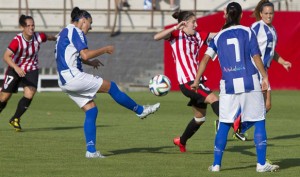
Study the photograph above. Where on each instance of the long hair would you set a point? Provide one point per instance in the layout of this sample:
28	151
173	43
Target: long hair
182	15
233	14
22	20
259	8
76	14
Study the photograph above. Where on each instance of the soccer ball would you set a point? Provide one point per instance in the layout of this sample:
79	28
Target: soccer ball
160	85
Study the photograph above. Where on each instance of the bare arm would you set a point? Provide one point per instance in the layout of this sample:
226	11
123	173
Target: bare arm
202	67
7	57
287	65
261	69
95	63
51	37
87	54
166	34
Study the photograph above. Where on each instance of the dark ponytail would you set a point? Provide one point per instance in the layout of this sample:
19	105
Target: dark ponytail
233	14
182	15
76	14
22	20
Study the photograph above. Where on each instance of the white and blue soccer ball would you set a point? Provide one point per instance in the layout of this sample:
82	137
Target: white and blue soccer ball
160	85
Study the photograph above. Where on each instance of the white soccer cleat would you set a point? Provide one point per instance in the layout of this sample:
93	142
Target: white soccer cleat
148	109
96	154
267	167
215	168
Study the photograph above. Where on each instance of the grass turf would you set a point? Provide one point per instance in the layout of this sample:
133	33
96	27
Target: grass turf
52	143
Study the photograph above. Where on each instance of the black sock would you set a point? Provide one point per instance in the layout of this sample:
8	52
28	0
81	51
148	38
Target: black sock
215	107
190	130
2	105
22	107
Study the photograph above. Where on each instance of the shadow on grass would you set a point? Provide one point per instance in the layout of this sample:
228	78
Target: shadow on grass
56	128
285	137
288	163
141	150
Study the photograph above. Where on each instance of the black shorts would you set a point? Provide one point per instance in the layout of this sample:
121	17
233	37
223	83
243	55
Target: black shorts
12	80
196	98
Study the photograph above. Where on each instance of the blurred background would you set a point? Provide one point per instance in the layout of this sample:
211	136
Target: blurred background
130	25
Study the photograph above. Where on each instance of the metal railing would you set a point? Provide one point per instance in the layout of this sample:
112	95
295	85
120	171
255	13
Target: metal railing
112	24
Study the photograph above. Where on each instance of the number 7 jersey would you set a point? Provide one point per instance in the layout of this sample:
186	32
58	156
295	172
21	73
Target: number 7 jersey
235	46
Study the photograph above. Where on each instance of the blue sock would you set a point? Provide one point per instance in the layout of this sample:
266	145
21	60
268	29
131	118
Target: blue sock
260	140
220	142
123	99
246	126
90	129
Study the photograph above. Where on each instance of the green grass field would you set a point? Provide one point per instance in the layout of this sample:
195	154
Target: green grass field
52	143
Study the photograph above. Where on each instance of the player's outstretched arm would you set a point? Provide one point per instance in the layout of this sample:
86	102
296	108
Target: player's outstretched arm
166	34
87	54
51	37
202	67
286	64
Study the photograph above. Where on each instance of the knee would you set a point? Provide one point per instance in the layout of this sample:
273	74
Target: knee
199	120
211	98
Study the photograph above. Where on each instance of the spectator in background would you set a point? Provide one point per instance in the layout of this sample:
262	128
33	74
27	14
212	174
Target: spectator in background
148	5
122	3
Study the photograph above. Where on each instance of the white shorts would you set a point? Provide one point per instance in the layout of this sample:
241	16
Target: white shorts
251	103
82	88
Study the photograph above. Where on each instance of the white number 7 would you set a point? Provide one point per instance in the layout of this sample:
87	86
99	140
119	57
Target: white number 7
235	42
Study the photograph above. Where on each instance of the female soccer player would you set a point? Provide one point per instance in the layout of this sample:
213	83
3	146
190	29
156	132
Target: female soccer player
267	39
22	59
186	42
240	86
71	52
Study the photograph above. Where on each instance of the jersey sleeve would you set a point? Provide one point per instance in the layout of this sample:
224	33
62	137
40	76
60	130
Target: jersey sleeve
78	41
43	37
254	48
204	36
14	45
212	49
174	35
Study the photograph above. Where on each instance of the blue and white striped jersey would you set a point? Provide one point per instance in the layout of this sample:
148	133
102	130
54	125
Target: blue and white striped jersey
267	39
235	46
69	43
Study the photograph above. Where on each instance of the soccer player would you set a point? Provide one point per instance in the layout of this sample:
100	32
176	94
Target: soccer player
22	59
71	52
186	42
267	39
240	86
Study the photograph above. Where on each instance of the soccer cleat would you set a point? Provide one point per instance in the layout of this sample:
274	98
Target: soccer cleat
214	168
266	168
15	122
148	109
240	136
216	123
96	154
176	141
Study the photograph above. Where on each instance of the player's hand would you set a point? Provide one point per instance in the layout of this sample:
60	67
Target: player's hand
110	49
20	71
96	63
181	25
265	84
195	85
287	65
